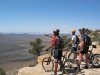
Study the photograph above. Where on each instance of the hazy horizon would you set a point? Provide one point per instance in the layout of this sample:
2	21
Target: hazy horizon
36	32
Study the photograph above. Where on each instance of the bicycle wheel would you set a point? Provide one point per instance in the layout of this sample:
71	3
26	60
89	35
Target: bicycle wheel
71	67
47	64
72	56
96	60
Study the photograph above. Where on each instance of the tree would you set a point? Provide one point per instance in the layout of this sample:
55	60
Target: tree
36	47
95	35
88	31
65	40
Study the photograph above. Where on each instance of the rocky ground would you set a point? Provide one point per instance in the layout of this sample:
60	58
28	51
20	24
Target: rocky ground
38	70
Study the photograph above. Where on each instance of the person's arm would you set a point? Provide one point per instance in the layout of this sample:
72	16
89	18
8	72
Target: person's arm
82	43
70	43
49	36
53	43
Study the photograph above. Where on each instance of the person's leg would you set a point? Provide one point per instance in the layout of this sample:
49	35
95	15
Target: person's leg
86	57
86	61
60	60
56	56
80	59
56	67
61	64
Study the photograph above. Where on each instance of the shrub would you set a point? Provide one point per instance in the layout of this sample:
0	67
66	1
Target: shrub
2	72
36	46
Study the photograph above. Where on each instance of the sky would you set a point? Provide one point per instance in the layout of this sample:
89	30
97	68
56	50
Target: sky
43	16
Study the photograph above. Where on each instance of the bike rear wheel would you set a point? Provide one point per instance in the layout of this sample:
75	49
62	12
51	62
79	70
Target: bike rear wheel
47	64
96	60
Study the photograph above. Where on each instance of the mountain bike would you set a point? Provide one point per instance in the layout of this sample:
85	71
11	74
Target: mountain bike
68	67
94	59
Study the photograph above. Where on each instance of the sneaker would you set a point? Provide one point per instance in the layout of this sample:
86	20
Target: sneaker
86	67
54	74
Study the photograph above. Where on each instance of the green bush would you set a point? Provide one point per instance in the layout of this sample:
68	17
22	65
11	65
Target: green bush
95	35
36	46
2	72
65	40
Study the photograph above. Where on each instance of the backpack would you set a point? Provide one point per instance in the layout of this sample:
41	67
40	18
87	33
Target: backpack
88	40
59	43
77	40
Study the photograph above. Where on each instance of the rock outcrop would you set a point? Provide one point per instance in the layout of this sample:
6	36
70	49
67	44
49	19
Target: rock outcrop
38	70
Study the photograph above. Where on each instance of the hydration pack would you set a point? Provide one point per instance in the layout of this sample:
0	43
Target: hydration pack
59	43
77	39
88	40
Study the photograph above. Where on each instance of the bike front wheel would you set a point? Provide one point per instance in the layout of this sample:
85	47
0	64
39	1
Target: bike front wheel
72	56
71	67
47	64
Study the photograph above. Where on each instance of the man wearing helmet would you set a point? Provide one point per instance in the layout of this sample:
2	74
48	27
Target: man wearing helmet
83	47
57	45
74	41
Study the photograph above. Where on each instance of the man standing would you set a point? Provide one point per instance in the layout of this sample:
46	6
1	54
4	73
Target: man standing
74	41
57	45
83	47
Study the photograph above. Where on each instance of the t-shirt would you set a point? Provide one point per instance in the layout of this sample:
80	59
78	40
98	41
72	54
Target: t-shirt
74	38
57	41
53	40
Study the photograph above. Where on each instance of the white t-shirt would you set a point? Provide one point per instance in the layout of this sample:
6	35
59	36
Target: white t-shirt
74	38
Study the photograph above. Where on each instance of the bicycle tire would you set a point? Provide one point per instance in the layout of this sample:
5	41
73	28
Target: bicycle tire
72	56
71	67
47	64
96	60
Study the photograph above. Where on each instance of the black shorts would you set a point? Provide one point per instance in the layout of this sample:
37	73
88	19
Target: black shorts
74	49
58	54
84	50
